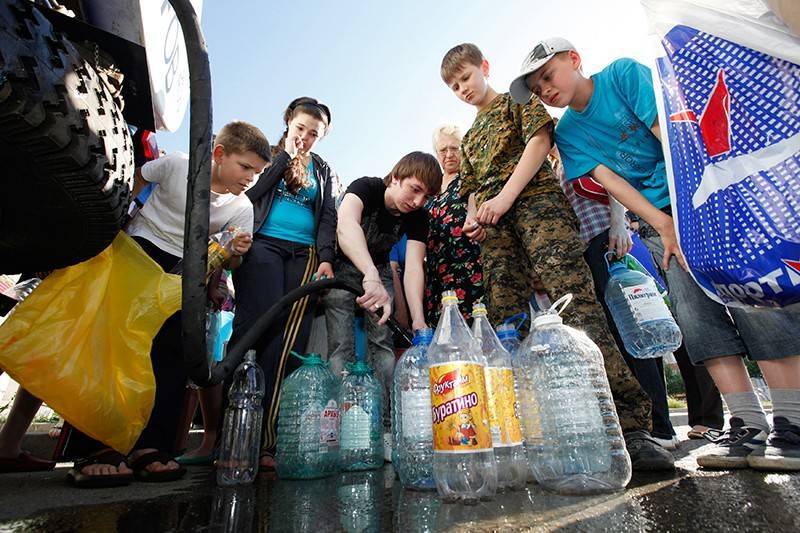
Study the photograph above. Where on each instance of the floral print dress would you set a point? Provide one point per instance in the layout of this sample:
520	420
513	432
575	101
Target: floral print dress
452	260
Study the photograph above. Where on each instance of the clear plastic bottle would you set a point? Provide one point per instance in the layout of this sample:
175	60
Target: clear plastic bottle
463	459
509	452
308	422
412	455
219	248
361	404
640	313
241	430
572	433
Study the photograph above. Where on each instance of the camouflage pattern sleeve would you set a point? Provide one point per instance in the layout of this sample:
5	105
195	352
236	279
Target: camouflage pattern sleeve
531	117
469	181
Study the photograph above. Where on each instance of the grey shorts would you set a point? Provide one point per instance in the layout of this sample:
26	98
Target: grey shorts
711	330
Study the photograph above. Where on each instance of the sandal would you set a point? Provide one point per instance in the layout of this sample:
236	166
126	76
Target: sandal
55	431
25	462
95	481
140	464
195	460
697	432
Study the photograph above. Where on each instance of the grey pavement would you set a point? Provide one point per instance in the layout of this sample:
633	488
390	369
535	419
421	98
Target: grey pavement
688	499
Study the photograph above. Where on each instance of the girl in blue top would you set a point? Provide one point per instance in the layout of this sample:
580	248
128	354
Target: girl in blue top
294	239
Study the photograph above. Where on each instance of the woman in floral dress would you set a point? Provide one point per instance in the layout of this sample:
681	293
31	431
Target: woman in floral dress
452	259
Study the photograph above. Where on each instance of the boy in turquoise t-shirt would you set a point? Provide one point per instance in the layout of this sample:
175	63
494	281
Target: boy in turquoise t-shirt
610	131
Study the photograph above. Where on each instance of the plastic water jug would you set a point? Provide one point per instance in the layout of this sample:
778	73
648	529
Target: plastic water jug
412	455
571	429
640	313
308	423
361	404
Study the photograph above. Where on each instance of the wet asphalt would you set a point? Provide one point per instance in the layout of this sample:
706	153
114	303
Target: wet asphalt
688	499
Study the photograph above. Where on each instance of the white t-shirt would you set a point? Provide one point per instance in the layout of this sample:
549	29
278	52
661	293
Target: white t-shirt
161	220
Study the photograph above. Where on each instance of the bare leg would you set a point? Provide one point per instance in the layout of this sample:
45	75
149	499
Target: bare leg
729	374
187	415
211	407
782	373
19	419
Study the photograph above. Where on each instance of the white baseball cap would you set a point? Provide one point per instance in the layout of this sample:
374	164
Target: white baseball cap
536	59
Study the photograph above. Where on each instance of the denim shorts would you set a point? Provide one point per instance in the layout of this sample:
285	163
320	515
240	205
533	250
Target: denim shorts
711	330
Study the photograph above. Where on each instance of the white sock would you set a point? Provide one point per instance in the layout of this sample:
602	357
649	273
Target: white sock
786	403
746	406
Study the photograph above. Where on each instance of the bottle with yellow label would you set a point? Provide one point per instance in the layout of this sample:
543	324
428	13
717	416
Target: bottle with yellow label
463	458
512	463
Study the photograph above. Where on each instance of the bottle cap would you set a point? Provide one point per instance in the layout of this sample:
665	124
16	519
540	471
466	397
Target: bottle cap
617	268
359	368
479	309
507	331
423	336
250	355
449	297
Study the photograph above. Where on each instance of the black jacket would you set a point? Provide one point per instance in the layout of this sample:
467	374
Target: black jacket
263	192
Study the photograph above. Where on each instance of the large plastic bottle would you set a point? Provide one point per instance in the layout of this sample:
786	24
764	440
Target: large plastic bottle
512	464
463	459
241	430
640	313
308	423
412	455
361	405
572	433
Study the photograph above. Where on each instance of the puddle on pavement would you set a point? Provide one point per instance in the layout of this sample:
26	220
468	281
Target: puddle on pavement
374	501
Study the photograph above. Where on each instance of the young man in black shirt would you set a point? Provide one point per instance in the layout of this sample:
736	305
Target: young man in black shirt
373	214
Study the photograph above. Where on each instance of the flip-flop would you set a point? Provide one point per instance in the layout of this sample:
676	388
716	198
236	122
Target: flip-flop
25	462
140	464
197	460
55	431
697	432
96	481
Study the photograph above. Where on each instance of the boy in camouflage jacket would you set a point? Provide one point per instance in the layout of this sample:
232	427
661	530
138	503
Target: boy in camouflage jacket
531	231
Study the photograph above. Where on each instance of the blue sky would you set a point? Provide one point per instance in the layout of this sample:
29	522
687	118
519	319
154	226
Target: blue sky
376	64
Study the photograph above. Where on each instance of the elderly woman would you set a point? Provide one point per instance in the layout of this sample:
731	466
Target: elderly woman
453	260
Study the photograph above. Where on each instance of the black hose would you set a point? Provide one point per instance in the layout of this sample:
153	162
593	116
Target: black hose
235	354
195	241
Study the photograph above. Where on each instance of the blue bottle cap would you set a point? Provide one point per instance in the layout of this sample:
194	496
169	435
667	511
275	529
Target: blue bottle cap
617	268
507	331
423	336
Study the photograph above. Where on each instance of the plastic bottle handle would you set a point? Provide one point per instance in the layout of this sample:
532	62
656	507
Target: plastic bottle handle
614	254
564	301
305	358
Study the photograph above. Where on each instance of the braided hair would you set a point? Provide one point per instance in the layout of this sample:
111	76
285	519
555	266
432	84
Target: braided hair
296	175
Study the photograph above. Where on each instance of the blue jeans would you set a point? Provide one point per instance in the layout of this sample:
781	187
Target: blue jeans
340	308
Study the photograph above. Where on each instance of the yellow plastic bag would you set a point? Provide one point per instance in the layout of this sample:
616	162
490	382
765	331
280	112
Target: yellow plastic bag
81	341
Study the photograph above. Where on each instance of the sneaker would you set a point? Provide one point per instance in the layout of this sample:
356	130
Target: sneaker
668	444
783	448
732	447
387	447
646	453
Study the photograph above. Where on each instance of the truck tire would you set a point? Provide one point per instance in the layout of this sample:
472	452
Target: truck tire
66	163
